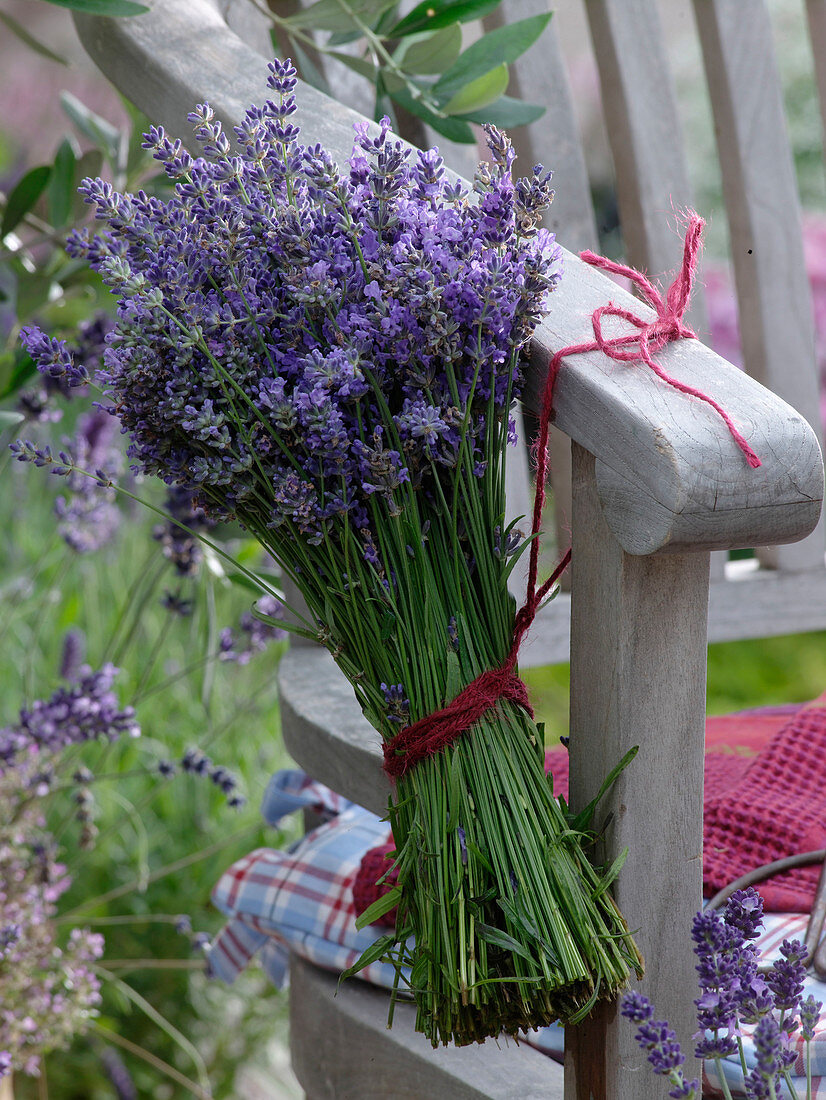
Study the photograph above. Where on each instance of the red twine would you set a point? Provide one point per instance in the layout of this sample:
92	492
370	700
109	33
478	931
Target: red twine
437	730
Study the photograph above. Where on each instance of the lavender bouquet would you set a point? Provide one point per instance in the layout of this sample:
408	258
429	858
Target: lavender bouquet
331	361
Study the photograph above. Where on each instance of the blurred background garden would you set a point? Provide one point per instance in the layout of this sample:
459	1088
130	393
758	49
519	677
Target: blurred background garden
125	835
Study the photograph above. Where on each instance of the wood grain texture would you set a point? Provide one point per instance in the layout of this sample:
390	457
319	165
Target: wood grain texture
640	108
539	76
763	213
686	477
638	640
816	16
342	1050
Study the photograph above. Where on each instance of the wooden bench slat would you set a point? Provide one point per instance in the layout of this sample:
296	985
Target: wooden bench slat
816	16
639	102
763	212
539	76
336	1035
628	688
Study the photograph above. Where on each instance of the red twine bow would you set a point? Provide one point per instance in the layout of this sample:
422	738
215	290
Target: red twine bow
437	730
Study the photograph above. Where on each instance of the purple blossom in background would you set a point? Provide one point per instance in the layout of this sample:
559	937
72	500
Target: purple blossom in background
48	990
178	536
89	516
35	406
84	710
90	341
770	1051
196	762
85	356
733	992
52	357
71	658
724	329
787	974
118	1074
658	1039
744	911
255	634
716	946
810	1010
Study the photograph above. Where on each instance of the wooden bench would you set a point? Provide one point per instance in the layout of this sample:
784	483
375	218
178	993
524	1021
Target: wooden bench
656	486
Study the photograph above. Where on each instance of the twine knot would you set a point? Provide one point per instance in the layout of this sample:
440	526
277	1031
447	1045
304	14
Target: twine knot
440	728
649	337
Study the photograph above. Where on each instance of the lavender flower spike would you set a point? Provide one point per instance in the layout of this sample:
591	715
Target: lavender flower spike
770	1050
52	357
656	1037
786	977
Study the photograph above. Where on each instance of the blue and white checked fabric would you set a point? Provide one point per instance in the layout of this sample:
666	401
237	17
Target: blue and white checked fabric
302	900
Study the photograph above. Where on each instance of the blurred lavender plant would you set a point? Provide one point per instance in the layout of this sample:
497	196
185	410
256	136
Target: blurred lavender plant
178	536
49	992
255	633
89	515
735	992
50	989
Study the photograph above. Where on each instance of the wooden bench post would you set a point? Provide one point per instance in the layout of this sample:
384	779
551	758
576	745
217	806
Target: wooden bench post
638	658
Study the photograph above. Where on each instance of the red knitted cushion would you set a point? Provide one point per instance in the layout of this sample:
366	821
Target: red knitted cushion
765	797
374	864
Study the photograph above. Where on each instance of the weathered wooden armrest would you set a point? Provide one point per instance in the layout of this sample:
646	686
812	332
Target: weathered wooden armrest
670	475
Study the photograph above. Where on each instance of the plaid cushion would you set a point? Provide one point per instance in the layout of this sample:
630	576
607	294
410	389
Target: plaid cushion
302	900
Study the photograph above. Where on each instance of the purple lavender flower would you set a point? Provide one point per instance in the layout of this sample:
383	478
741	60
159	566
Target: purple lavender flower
255	634
50	991
196	762
271	275
460	832
786	977
178	536
118	1074
660	1041
810	1010
89	516
398	705
176	604
52	357
717	947
71	658
770	1050
9	935
85	710
34	405
744	911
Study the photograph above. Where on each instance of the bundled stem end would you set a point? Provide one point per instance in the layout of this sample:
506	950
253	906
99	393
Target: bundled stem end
515	929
